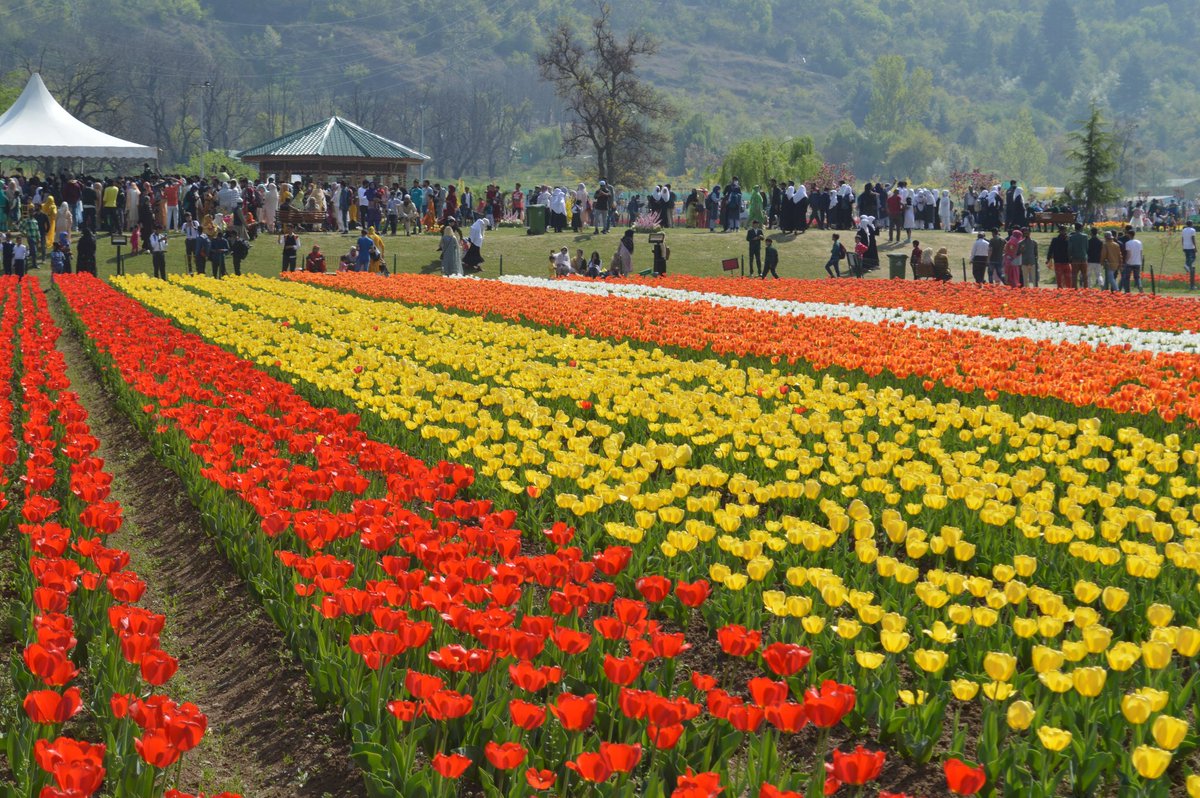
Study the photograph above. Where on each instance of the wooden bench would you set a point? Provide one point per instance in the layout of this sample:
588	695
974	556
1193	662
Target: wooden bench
294	217
1044	219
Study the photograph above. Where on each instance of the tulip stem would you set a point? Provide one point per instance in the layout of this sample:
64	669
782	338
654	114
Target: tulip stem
816	780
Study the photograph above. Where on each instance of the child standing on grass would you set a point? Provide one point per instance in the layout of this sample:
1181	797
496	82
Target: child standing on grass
772	260
836	253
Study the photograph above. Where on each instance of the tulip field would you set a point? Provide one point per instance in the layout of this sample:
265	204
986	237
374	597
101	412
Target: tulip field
692	537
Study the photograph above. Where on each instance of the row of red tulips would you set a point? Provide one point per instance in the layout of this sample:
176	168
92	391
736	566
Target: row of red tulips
414	606
1105	376
78	610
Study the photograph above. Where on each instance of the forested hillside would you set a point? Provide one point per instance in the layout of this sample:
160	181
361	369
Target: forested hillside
890	86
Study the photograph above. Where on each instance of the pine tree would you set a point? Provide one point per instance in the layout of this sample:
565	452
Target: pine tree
1094	156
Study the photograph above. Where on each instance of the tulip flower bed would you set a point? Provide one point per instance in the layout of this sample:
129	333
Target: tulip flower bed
91	660
1105	376
454	653
1108	309
1041	331
932	554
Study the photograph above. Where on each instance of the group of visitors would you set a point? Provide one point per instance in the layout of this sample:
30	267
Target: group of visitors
1078	259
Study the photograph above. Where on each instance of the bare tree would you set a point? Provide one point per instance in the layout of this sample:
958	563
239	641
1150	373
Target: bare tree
614	113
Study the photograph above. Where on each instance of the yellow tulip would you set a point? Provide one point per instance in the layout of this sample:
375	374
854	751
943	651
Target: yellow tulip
1025	627
999	666
1169	731
1156	654
813	624
1046	659
1136	708
1193	786
1025	565
1053	739
1157	698
1086	592
998	691
1150	762
930	660
1089	681
1074	650
964	689
1056	681
1123	655
1159	614
893	642
1187	641
940	633
1114	598
1020	715
868	659
910	698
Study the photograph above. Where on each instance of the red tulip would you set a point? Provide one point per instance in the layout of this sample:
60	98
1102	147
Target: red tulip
158	666
570	641
560	534
789	716
52	666
156	748
525	715
858	767
420	685
771	791
76	767
698	785
745	718
786	659
629	612
621	670
653	588
703	682
693	594
49	707
621	757
827	706
764	691
447	705
574	712
539	779
664	737
668	646
738	641
611	561
404	711
504	756
591	767
963	779
450	766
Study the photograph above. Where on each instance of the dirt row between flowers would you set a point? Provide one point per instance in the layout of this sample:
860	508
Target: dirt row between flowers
267	736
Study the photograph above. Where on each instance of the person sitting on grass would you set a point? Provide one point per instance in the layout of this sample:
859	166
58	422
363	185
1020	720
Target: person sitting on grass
315	262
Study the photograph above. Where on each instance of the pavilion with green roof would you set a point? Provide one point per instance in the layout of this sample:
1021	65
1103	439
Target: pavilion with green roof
334	148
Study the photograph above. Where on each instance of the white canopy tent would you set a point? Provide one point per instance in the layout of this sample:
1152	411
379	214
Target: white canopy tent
36	126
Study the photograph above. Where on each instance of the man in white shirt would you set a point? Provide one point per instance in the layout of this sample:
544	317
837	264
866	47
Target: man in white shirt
979	258
158	253
191	233
1189	249
20	254
1133	263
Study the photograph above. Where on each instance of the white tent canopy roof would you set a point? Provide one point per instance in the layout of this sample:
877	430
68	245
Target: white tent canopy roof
36	126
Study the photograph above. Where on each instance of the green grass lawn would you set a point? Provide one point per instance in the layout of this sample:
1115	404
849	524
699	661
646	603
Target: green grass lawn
695	252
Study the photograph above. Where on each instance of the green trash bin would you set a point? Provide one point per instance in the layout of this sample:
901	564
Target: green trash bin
535	217
897	264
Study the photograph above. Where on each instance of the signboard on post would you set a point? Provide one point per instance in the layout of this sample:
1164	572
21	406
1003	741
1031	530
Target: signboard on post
119	240
731	265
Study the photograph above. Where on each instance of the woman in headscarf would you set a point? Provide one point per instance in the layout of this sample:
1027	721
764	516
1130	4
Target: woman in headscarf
132	195
146	212
946	211
625	252
451	249
941	265
1013	250
66	220
377	252
87	252
756	206
712	207
866	234
474	257
51	210
1018	207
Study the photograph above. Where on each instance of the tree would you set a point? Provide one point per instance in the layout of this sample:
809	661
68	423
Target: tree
614	113
756	161
1094	156
898	99
1022	155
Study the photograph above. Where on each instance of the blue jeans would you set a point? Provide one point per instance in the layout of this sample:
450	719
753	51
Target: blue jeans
1128	272
1189	259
